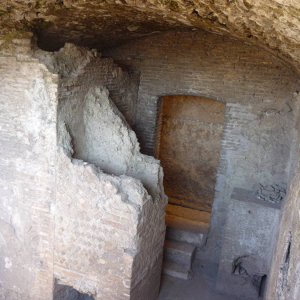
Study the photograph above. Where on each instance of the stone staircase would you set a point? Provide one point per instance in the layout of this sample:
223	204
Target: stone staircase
186	231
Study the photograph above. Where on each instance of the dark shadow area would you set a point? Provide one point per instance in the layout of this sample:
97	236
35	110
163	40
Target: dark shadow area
64	292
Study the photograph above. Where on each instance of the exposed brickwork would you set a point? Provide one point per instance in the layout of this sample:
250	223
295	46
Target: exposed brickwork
260	113
122	85
104	241
201	64
63	218
27	180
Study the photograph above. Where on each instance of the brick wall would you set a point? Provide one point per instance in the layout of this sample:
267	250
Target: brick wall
63	218
201	64
27	180
109	231
258	91
122	85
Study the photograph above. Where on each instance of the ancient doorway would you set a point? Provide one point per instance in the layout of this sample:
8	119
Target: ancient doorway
189	135
188	144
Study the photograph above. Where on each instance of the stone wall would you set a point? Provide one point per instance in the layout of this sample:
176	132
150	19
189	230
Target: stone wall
27	181
105	244
258	90
113	221
64	218
284	283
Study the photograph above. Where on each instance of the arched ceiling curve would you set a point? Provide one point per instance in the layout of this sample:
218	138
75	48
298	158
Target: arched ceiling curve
271	24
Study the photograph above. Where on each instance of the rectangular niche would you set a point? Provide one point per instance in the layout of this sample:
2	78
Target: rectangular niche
188	144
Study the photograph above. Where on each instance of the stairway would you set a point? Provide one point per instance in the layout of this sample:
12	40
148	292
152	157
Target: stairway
186	231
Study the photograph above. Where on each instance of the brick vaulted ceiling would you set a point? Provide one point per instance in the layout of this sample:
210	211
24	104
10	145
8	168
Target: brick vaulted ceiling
272	24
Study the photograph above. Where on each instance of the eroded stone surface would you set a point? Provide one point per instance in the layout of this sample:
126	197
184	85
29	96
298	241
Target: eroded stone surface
103	232
284	280
27	179
64	218
99	133
274	24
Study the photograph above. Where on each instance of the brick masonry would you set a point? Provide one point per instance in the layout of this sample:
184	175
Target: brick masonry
258	90
27	181
63	218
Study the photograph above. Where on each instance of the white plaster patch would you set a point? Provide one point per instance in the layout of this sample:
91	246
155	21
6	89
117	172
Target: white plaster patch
8	263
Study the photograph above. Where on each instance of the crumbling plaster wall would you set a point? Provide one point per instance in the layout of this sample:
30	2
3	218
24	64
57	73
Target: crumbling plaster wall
260	114
104	140
105	244
27	179
117	226
64	218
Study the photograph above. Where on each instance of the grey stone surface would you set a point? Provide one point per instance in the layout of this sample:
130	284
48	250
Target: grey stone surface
176	270
201	286
249	237
179	253
193	238
104	140
284	279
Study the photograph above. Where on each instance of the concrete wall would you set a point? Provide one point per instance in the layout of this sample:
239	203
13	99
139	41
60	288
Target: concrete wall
258	90
64	218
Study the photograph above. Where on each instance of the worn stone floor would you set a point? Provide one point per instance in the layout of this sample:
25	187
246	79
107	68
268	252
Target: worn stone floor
200	287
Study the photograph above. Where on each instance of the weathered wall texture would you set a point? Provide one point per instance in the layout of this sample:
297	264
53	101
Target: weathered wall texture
284	281
249	238
191	130
104	140
71	61
61	217
274	24
27	178
258	90
103	233
110	222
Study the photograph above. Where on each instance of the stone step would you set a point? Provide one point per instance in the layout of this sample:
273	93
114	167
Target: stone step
179	253
186	224
187	219
194	238
177	271
188	213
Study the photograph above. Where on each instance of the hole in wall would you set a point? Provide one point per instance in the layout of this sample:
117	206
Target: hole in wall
65	292
262	286
288	252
